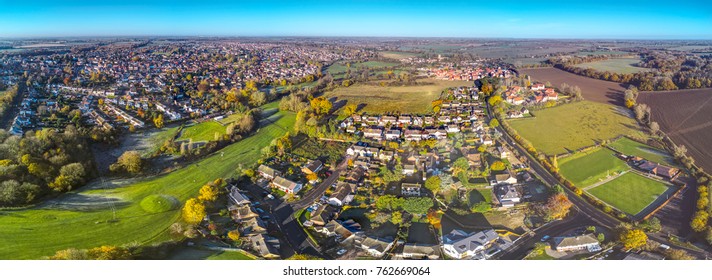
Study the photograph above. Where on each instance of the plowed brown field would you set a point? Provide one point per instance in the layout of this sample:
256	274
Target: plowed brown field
686	116
592	89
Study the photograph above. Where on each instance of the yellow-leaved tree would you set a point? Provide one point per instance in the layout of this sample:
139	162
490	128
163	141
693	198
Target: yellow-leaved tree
193	211
209	192
234	235
633	238
109	253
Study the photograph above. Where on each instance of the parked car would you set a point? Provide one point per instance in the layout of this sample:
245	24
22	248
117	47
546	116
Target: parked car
270	196
545	238
265	217
259	210
341	252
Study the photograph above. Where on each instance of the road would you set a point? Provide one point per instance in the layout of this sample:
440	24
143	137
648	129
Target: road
586	210
317	192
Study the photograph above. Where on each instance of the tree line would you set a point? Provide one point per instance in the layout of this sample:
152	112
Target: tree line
42	162
668	72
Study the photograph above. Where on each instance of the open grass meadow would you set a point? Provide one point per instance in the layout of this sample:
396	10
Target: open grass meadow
405	99
586	168
615	65
339	68
631	147
398	55
145	207
575	125
630	193
204	131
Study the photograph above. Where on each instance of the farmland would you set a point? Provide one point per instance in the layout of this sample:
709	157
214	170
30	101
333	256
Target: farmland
584	53
615	65
405	99
630	193
684	116
573	126
592	89
631	147
84	218
586	168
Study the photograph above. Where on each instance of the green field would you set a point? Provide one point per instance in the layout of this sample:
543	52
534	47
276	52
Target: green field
615	65
631	147
157	140
404	99
574	126
204	131
83	218
398	55
585	169
630	193
338	69
526	60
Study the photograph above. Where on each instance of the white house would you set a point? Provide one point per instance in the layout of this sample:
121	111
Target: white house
376	247
410	189
586	242
459	244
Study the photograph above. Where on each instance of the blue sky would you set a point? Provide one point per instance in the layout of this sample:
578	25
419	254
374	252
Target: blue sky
494	18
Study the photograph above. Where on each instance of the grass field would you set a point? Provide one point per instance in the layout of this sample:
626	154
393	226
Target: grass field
404	99
584	169
630	193
204	131
69	222
630	147
157	140
338	69
615	65
398	55
575	125
526	60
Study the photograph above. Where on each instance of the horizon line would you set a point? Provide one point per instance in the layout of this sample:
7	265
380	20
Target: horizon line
343	36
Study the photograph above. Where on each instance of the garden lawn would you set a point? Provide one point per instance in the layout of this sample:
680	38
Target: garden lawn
631	147
574	126
630	193
204	131
586	168
405	99
479	195
59	223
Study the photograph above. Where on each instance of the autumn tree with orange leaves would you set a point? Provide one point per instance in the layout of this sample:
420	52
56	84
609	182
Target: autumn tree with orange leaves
557	207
